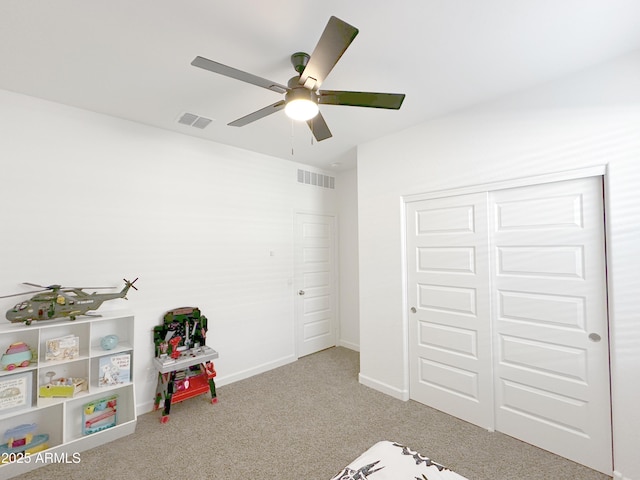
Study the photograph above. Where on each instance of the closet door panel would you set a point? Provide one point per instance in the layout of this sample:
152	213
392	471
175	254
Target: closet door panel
450	341
550	328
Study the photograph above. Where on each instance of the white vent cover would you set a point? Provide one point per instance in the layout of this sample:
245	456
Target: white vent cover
318	179
194	120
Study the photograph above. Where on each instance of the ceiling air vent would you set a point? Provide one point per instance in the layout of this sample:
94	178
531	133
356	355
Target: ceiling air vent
194	120
318	179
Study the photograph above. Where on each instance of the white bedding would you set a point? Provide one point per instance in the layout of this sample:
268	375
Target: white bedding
392	461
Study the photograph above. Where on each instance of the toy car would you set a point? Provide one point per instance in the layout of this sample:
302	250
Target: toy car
17	355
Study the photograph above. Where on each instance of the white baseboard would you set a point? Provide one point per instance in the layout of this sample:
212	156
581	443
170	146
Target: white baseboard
250	372
619	476
146	407
349	345
222	380
384	388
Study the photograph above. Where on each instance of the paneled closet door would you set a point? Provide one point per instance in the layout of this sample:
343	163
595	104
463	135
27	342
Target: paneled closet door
508	322
551	331
448	294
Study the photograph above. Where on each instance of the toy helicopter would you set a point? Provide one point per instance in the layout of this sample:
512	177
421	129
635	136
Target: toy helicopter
56	301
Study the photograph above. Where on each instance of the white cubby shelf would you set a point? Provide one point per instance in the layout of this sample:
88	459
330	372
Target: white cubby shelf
61	417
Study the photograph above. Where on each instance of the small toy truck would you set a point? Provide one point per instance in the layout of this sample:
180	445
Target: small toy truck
17	355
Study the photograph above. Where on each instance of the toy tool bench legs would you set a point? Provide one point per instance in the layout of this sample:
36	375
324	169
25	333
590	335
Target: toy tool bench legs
178	385
183	360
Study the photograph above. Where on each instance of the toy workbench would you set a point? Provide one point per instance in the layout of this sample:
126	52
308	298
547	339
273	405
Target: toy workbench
183	361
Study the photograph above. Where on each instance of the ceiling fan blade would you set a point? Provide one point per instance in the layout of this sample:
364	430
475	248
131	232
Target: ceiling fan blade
221	69
319	127
361	99
335	39
263	112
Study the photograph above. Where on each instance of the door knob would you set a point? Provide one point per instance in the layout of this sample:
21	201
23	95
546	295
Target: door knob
594	337
413	310
300	292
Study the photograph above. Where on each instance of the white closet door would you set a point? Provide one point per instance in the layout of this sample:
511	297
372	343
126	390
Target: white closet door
551	330
450	341
508	321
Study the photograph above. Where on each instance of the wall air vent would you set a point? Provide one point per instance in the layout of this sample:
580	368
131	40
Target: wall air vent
317	179
194	120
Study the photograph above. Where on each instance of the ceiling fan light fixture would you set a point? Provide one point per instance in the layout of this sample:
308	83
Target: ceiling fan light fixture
301	103
301	109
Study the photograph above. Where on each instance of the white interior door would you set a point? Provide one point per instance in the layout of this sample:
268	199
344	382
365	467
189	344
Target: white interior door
448	294
315	283
515	278
551	329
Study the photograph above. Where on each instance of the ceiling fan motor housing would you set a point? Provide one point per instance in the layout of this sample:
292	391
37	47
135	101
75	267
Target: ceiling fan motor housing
299	61
299	92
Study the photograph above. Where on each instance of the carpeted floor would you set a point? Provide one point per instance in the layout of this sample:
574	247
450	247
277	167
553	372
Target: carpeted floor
306	420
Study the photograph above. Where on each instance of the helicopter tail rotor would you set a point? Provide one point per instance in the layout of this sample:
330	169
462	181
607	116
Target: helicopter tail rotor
127	286
131	284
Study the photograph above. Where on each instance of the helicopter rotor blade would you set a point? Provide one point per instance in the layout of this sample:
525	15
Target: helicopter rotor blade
88	288
61	287
24	293
36	285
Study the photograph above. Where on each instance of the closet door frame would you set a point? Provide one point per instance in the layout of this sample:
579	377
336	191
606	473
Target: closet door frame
474	189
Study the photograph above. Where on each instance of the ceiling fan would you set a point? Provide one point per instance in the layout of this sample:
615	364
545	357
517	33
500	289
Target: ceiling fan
302	94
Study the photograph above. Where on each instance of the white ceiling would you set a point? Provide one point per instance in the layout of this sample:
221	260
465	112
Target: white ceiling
131	59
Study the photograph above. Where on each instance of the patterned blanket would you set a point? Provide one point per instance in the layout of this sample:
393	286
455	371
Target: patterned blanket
392	461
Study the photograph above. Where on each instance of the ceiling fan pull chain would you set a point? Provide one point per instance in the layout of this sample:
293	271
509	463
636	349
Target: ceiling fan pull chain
292	138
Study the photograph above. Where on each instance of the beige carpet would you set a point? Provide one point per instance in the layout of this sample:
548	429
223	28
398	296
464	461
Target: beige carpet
306	420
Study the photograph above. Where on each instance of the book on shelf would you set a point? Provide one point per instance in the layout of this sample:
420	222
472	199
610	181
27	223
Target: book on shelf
114	369
63	348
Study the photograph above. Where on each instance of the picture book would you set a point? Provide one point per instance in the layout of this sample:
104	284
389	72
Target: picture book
114	370
63	348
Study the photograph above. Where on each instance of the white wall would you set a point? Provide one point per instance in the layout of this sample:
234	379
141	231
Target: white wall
347	189
88	199
589	119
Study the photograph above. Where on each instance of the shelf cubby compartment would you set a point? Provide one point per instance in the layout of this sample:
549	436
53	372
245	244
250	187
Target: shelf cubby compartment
101	380
49	335
64	369
48	420
121	328
125	412
13	336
